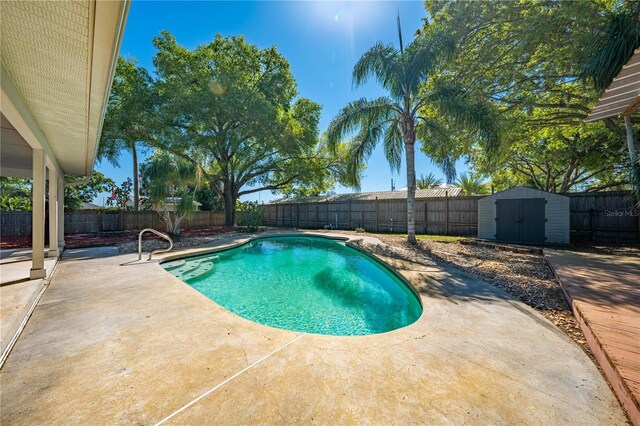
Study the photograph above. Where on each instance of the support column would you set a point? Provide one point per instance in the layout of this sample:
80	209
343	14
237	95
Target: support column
60	237
53	213
37	216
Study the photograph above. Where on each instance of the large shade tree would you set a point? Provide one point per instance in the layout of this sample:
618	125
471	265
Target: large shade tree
129	121
397	119
232	109
529	59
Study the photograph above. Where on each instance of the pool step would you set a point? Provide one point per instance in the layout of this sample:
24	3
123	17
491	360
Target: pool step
203	270
192	269
172	266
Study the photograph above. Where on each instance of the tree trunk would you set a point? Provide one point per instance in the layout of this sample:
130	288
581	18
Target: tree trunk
409	144
631	140
229	206
136	180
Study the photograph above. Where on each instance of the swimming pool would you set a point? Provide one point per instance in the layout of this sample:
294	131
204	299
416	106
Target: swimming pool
307	284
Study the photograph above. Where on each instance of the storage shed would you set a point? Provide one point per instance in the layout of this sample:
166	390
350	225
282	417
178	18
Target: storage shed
524	215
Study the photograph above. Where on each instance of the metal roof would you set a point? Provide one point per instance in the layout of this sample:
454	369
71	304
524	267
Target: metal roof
622	97
371	196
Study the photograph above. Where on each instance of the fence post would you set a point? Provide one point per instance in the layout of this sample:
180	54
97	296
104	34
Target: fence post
377	228
446	212
349	215
276	215
426	224
99	221
297	216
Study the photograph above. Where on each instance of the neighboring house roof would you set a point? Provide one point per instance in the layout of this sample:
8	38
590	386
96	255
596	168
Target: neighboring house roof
90	206
622	97
370	196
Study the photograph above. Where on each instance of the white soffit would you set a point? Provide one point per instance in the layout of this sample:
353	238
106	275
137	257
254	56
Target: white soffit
622	97
61	55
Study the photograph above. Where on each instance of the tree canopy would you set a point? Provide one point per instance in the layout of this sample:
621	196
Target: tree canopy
129	120
529	59
232	109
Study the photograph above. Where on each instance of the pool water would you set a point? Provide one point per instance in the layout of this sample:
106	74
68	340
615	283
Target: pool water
307	284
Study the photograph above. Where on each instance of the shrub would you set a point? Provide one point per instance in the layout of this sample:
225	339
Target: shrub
250	215
360	230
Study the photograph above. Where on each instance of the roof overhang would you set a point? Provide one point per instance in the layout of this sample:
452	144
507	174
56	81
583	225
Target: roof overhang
58	62
622	97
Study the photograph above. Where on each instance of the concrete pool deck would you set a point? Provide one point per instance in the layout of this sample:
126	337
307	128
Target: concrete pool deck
111	344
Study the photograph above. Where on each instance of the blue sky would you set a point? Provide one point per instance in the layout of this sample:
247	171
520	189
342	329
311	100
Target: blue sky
321	40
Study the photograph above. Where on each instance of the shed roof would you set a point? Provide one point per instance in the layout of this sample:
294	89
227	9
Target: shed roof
371	196
622	97
527	190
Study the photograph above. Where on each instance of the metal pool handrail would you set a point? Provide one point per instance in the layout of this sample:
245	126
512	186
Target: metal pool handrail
160	234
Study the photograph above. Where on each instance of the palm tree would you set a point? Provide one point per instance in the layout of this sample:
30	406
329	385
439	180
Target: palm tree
396	118
171	184
472	185
428	182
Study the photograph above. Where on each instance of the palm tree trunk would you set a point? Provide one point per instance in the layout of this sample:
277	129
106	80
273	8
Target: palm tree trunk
136	180
409	144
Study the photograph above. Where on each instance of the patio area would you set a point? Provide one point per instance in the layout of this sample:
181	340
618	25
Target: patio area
112	344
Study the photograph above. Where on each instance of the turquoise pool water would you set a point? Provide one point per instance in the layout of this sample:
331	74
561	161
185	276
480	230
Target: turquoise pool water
308	284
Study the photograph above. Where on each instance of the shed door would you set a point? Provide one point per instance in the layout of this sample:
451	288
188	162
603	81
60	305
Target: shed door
520	220
533	218
508	220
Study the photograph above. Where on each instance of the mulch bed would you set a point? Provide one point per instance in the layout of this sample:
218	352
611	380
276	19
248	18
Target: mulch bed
94	240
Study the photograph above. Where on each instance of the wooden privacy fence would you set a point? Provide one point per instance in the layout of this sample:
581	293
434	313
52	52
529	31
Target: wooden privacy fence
607	217
446	215
92	221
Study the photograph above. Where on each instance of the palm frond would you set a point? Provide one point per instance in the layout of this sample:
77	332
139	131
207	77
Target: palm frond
356	115
437	143
394	145
473	114
425	53
428	181
379	62
360	149
447	163
612	46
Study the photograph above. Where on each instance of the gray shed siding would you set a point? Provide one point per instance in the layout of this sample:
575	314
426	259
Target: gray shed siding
556	213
